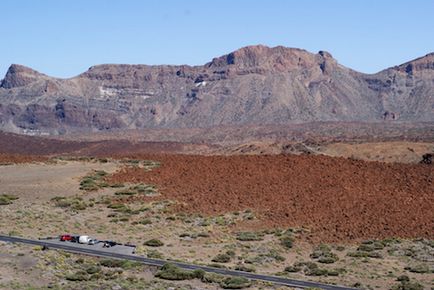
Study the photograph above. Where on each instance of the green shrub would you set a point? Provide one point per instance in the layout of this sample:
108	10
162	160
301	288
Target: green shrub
100	173
287	241
154	254
420	268
221	258
125	192
212	278
293	269
231	253
403	278
75	203
79	205
144	189
312	269
6	199
275	255
117	206
93	181
111	263
92	269
324	255
327	260
125	264
78	276
172	272
235	283
408	285
153	243
249	236
145	221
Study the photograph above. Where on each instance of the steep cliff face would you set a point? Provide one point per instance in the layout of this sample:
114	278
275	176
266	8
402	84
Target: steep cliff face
253	85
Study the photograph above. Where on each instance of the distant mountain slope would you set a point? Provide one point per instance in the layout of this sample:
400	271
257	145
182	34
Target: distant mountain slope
255	85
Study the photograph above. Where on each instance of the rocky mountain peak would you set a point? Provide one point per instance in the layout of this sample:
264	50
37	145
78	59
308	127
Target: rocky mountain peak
421	64
19	76
250	86
277	58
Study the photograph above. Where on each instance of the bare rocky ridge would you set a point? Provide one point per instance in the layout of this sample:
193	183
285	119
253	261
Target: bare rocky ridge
255	85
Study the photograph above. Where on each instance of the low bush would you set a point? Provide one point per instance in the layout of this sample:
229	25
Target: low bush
154	254
212	278
235	283
144	189
420	269
111	263
153	243
75	203
6	199
311	269
77	276
125	192
324	255
293	269
93	181
92	269
124	264
249	236
221	258
408	285
145	221
287	241
172	272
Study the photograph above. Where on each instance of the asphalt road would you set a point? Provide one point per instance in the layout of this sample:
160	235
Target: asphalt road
159	263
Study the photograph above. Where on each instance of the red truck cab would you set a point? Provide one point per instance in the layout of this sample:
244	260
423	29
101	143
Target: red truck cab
64	238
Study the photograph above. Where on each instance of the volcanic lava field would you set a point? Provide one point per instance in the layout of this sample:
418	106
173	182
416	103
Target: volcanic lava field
337	199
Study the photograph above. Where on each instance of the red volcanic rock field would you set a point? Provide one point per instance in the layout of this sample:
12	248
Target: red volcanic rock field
18	158
339	200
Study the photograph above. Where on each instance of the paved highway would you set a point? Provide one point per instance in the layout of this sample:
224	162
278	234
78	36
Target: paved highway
156	262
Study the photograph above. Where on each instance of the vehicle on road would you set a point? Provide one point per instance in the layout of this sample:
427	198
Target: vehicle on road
108	244
93	242
66	237
84	240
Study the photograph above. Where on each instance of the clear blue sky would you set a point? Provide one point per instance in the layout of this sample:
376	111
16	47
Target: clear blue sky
64	38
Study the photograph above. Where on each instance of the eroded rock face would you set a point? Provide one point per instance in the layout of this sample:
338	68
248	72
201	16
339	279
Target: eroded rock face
19	76
253	85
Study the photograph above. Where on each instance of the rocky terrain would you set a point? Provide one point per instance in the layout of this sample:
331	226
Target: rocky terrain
336	198
272	215
255	85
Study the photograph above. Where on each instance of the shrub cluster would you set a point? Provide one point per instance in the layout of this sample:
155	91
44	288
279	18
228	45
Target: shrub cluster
250	236
369	249
173	272
153	243
6	199
93	181
324	254
312	269
75	203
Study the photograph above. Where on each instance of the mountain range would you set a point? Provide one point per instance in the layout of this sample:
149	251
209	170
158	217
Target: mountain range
255	85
